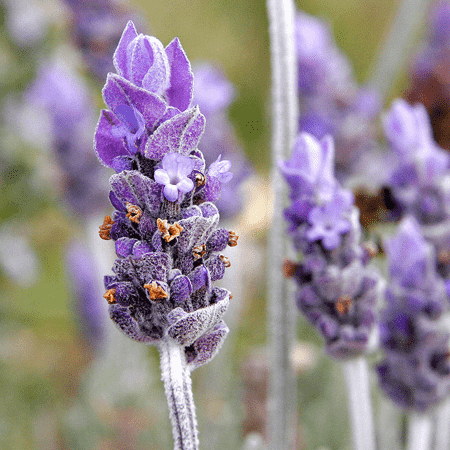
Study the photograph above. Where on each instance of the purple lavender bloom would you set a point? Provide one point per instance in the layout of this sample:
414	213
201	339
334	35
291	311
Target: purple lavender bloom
174	175
418	179
415	373
332	102
165	225
336	291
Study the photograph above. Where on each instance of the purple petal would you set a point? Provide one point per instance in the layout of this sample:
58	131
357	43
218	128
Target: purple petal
185	185
161	176
120	55
106	145
179	134
157	78
171	192
180	92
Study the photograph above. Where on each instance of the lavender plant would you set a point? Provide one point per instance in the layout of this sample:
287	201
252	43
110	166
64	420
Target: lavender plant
165	224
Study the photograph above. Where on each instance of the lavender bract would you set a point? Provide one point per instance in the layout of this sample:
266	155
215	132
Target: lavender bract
336	291
165	225
415	373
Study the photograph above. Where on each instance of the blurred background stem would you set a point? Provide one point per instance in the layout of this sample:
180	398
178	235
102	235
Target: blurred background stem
281	314
360	405
419	431
395	50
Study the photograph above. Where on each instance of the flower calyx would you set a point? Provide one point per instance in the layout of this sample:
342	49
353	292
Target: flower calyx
155	291
232	239
199	251
168	232
134	212
225	260
105	228
110	296
343	305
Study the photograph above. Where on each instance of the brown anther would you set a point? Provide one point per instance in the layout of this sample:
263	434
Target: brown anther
343	305
199	251
155	291
371	248
225	260
105	228
444	257
200	179
168	231
232	239
134	212
110	296
289	268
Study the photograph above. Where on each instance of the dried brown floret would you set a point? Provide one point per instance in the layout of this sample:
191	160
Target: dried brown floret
155	291
444	257
232	239
134	212
343	305
168	231
200	179
225	260
110	296
199	251
289	268
105	228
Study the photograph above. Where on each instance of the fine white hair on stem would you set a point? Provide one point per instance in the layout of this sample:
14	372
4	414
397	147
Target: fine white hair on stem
360	405
281	314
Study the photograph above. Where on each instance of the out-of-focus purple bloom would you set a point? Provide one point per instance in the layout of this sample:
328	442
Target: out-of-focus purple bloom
65	99
329	222
84	279
415	373
336	291
332	102
220	170
174	175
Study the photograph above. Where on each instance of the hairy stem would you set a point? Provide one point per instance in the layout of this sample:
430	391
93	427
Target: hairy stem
281	402
178	387
397	45
360	405
419	432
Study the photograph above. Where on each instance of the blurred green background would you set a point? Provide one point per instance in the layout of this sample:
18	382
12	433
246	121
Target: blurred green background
43	354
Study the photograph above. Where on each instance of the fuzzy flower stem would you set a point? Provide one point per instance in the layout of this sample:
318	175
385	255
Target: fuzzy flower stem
281	407
442	439
397	45
360	407
178	388
419	431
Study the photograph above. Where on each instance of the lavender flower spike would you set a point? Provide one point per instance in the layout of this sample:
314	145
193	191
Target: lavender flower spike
165	226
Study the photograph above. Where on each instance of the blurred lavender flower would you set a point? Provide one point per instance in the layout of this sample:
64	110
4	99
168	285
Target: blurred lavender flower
336	291
415	373
214	93
165	225
331	100
96	27
63	97
419	182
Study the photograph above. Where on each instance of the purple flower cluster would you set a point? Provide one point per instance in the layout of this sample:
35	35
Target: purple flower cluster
420	178
336	291
415	372
332	102
165	224
214	93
